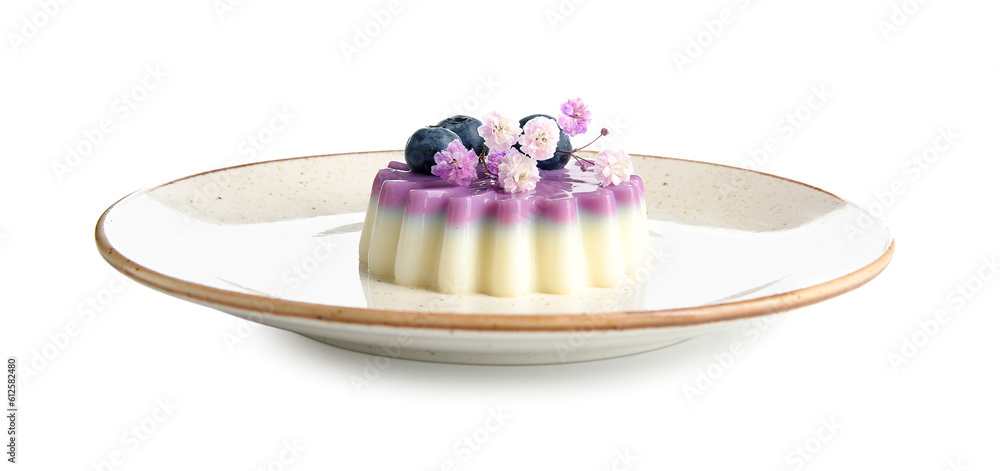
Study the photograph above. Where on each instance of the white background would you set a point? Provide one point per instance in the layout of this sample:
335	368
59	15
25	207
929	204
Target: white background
892	89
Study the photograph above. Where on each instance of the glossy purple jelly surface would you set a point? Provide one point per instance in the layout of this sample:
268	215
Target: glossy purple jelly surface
559	196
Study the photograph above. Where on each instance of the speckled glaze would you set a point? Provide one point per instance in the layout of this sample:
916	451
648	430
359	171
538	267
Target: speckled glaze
276	243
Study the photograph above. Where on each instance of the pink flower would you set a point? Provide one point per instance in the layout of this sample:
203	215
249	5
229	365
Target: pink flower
612	167
575	117
456	164
540	138
518	172
494	157
500	132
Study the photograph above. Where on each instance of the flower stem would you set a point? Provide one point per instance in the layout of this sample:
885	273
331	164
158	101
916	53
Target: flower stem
604	132
482	160
572	153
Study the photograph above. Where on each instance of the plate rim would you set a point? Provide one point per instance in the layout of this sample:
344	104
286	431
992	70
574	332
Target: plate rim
615	320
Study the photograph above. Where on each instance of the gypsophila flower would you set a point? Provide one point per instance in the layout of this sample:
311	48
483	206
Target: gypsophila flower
456	164
494	157
575	117
518	172
540	138
500	132
611	167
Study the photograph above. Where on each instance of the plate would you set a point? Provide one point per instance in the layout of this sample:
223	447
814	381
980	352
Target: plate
277	243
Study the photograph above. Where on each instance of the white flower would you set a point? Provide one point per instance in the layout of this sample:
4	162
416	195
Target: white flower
500	132
612	167
540	138
518	172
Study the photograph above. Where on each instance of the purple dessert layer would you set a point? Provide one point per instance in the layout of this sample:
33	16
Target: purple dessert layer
558	196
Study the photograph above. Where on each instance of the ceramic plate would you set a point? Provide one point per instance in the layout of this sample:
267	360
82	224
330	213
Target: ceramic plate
277	243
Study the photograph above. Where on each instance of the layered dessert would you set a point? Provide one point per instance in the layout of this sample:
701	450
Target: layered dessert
504	214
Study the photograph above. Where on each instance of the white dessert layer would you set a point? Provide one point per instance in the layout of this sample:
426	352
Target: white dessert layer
366	230
505	260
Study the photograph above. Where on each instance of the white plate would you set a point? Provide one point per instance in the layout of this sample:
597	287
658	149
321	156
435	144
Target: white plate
277	243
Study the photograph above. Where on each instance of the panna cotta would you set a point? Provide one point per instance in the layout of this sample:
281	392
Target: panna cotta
566	234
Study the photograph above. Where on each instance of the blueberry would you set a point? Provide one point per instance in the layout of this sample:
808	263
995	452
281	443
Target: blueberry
560	159
422	146
467	129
